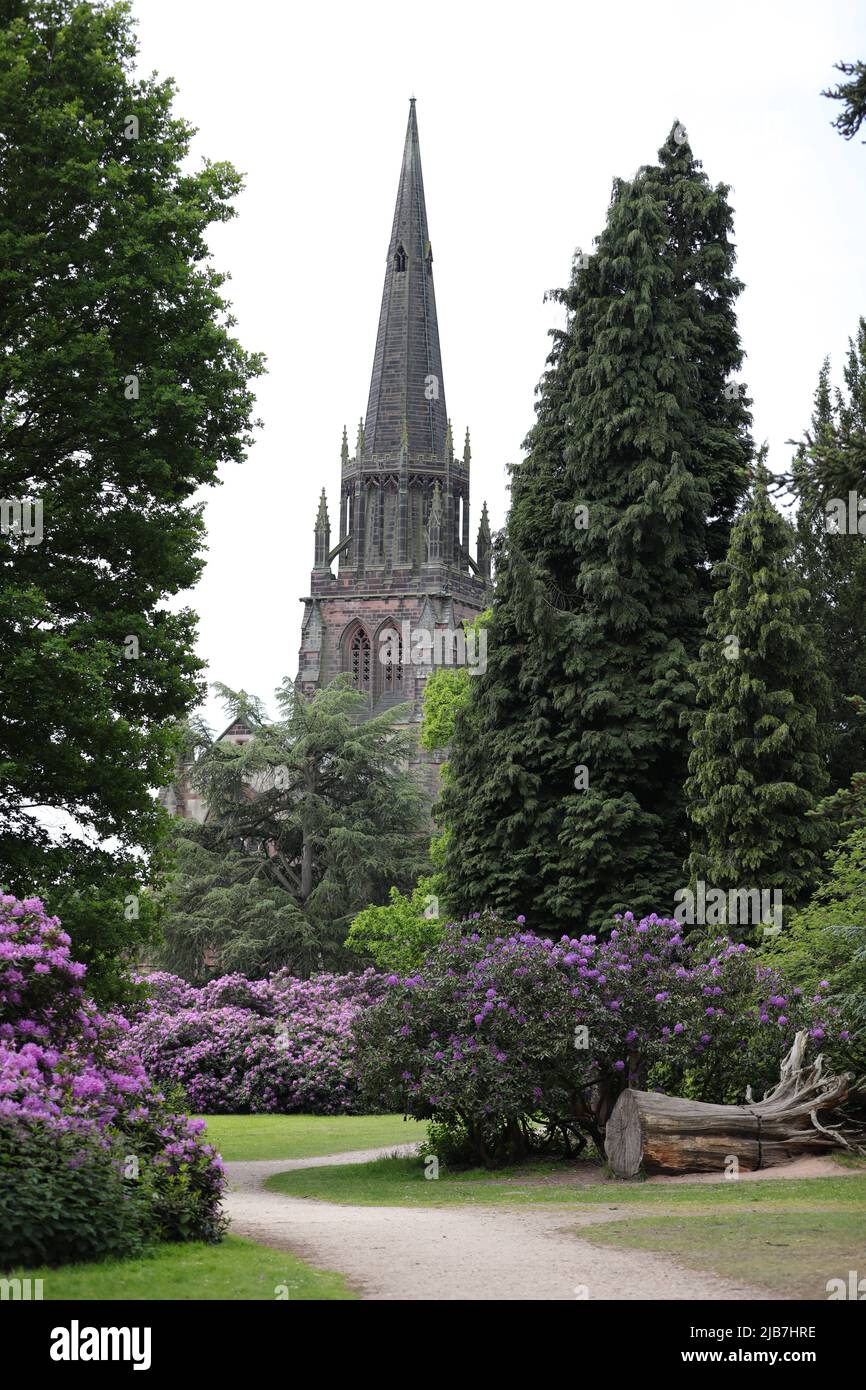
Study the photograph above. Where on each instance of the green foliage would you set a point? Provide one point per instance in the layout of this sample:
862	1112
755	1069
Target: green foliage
636	466
223	918
853	97
845	809
755	767
110	930
830	464
446	694
122	393
826	939
398	937
311	820
62	1198
832	458
449	1142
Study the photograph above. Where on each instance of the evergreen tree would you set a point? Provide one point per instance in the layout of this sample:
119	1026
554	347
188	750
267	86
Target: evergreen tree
565	798
853	97
827	469
844	809
310	821
501	798
755	767
224	914
122	392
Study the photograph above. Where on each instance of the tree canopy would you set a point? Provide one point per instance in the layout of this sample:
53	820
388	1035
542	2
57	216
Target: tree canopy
123	391
565	795
317	816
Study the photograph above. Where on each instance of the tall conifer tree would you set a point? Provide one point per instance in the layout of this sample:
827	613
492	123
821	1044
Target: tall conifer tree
567	770
827	477
756	769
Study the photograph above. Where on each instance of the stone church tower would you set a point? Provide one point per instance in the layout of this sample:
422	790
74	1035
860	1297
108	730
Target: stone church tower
405	579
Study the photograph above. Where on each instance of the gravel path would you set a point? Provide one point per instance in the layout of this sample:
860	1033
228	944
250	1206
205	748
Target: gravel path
465	1253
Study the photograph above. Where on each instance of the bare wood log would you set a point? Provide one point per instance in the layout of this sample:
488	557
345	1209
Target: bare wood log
667	1134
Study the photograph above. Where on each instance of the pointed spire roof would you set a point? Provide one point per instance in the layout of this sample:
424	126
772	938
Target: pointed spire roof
407	365
322	522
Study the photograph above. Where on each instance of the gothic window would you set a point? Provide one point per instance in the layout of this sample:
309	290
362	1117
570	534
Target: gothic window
400	258
360	664
392	668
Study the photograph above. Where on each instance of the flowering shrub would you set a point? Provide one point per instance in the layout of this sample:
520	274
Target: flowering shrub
502	1027
237	1045
63	1197
94	1158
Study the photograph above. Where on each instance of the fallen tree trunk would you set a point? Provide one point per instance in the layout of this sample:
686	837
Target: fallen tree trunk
666	1134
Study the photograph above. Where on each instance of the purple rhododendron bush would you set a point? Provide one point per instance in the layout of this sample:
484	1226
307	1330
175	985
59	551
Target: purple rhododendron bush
236	1046
94	1158
507	1040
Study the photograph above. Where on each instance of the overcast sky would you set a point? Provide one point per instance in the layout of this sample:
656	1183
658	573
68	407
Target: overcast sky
526	114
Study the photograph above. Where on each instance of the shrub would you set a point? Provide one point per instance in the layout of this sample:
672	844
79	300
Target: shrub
824	947
63	1198
502	1029
278	1045
85	1136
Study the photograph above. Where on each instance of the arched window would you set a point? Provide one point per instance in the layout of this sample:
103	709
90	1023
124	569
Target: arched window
392	664
400	258
359	660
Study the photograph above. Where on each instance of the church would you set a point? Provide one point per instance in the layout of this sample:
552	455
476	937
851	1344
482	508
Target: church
404	567
402	550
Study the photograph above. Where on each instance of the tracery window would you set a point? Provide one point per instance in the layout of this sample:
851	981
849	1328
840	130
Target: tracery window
392	669
359	652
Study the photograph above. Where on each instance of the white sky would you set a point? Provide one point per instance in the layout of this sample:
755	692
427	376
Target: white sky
525	116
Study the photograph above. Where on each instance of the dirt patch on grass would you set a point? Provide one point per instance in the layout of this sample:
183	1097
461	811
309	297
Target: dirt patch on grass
592	1173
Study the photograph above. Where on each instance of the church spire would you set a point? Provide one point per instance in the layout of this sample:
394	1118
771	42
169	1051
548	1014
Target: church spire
407	365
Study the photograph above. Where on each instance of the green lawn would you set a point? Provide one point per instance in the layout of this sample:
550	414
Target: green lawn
234	1270
401	1182
793	1252
307	1136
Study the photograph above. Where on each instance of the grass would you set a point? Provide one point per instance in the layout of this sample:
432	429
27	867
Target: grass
306	1136
792	1252
401	1182
235	1270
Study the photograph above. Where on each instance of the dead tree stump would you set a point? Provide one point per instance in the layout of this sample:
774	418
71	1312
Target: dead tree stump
666	1134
